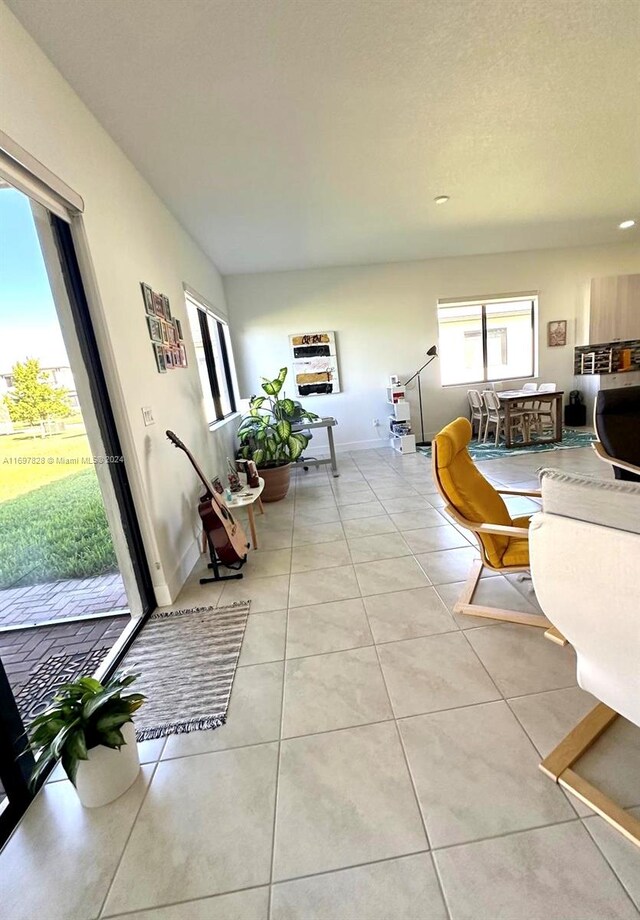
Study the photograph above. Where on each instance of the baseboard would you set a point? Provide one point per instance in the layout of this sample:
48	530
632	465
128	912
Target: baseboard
369	444
167	593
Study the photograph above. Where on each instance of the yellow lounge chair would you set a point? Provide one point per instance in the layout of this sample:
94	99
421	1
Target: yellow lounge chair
474	504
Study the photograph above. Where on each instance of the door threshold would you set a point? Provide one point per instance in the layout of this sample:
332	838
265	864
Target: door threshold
65	621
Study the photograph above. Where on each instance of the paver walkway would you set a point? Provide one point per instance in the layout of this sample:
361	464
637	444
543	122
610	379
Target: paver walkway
38	660
60	600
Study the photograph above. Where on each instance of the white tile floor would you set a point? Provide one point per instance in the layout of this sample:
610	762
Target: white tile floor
381	755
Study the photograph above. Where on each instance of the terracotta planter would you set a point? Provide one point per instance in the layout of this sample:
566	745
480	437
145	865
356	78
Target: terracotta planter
108	773
276	482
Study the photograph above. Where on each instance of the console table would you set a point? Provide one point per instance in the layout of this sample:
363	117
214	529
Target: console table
329	423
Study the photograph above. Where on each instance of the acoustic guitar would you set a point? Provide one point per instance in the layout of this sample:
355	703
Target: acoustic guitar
225	536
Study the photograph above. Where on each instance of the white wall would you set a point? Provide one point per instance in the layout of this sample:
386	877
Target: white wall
385	320
131	237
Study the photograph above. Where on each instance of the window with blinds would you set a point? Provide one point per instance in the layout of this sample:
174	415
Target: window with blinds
212	344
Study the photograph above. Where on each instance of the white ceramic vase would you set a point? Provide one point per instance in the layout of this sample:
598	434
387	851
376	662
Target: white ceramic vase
108	773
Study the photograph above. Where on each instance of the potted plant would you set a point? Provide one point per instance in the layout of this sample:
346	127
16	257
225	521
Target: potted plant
267	437
89	727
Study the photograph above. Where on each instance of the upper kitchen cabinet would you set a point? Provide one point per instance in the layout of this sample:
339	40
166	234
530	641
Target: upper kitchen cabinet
615	309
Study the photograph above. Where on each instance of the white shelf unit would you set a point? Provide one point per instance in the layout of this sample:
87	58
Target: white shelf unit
400	412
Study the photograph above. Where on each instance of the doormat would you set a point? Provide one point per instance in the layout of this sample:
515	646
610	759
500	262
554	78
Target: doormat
479	451
186	660
37	693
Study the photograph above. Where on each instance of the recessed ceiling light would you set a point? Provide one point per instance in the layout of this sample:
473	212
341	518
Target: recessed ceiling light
625	225
441	199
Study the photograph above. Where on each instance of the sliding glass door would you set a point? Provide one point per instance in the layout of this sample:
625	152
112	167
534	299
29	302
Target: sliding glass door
72	566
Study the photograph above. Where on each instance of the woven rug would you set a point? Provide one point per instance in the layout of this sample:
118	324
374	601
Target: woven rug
186	660
570	440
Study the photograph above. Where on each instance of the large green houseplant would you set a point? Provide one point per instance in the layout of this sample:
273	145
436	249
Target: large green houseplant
89	727
267	436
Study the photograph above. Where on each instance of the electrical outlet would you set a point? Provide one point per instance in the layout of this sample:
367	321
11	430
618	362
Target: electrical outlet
147	415
376	422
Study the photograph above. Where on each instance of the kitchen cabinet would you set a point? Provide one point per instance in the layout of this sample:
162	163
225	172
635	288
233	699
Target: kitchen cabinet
614	309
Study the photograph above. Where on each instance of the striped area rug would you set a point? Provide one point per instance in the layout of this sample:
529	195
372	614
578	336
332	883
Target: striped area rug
488	451
186	660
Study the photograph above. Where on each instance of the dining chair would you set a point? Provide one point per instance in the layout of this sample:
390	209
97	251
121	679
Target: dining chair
542	415
478	411
475	505
496	417
529	405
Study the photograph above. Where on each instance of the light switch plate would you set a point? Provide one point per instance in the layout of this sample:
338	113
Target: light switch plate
147	415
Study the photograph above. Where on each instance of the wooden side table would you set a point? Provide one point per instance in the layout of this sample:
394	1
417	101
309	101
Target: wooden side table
245	499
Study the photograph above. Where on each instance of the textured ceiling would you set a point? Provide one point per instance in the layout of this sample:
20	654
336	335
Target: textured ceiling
295	133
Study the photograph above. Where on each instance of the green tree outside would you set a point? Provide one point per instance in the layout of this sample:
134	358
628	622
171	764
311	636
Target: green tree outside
34	398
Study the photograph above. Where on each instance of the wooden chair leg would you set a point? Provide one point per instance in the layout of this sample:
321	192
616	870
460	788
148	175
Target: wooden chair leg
554	635
558	765
465	604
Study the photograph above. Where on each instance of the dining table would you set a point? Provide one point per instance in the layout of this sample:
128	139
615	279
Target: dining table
511	400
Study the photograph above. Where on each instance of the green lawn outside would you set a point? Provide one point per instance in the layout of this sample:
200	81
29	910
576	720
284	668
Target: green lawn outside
28	462
57	531
52	519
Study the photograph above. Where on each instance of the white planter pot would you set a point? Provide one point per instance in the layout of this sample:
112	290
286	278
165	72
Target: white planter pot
108	773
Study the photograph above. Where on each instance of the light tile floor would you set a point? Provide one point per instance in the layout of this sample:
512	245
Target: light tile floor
381	755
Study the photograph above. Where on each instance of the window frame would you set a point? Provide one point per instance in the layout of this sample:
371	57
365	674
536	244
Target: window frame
483	303
207	317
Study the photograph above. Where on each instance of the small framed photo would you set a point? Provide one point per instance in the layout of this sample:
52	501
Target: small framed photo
183	356
158	306
171	333
164	330
161	364
147	294
557	333
175	357
166	307
168	358
155	329
178	325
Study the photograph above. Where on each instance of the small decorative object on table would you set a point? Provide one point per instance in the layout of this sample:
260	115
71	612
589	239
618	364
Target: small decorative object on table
89	726
234	483
253	480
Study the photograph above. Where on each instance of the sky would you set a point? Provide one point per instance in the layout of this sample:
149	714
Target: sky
28	321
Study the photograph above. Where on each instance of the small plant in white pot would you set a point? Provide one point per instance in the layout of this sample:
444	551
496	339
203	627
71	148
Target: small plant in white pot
89	727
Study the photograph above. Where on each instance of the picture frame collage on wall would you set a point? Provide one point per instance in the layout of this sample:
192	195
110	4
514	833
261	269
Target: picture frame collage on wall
165	331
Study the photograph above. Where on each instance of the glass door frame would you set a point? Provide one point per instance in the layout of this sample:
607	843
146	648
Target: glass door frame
16	760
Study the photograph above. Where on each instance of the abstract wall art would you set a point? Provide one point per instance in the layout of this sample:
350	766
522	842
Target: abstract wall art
315	363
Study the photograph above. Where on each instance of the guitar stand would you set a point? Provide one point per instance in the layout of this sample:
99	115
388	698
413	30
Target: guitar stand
215	565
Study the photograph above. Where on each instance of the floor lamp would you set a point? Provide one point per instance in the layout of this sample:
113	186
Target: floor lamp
432	354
